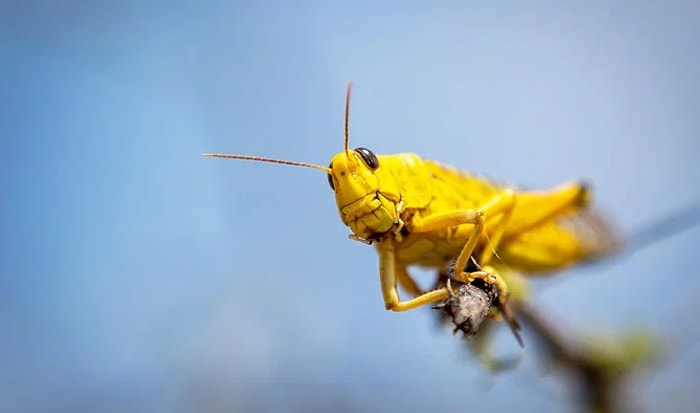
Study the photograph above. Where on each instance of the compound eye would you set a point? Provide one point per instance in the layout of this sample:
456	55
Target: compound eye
330	178
368	157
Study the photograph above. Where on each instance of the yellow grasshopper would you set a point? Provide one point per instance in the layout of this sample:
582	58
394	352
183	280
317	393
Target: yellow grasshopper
421	212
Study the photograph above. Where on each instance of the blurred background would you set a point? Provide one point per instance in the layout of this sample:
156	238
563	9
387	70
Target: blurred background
136	276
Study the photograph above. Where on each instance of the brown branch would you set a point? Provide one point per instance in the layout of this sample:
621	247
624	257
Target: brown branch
599	388
598	375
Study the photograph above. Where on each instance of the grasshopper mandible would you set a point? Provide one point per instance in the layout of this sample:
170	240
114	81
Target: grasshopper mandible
421	212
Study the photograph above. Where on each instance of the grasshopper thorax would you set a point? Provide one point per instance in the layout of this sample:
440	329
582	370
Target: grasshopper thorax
366	193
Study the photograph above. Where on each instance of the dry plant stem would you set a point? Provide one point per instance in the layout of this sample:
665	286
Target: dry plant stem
599	390
599	387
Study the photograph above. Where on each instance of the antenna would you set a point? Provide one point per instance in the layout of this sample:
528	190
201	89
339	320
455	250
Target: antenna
347	115
263	159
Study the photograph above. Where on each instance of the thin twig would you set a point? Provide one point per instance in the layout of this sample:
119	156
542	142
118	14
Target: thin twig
599	389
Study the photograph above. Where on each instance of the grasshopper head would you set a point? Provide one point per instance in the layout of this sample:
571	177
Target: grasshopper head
367	187
367	195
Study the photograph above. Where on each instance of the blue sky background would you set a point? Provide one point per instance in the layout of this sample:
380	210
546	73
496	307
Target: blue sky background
137	276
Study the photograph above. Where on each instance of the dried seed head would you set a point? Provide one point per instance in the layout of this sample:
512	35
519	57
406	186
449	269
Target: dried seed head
470	304
468	307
